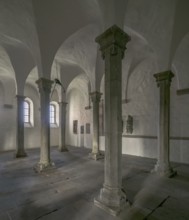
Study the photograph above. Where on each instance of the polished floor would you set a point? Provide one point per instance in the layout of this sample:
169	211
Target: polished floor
67	192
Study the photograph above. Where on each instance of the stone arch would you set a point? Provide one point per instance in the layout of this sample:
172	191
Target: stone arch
138	50
7	77
180	62
22	62
78	109
57	30
80	49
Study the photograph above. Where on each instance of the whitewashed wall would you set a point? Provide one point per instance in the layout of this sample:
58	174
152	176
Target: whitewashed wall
77	101
32	134
7	123
143	105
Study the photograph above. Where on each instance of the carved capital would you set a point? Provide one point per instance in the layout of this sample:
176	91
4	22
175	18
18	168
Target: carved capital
113	39
63	104
20	97
44	84
95	96
164	78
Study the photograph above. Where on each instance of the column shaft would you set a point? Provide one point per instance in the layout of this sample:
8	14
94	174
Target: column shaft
62	127
163	167
112	42
96	154
164	114
44	89
20	152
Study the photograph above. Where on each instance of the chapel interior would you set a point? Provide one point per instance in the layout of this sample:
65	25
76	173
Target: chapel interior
94	109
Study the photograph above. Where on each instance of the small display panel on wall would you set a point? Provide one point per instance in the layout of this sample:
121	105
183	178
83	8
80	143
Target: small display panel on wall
82	129
75	124
88	128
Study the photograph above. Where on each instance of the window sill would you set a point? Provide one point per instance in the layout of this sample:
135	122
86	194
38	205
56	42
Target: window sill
28	125
54	125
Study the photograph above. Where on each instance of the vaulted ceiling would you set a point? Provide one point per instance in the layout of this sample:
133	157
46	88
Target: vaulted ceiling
36	36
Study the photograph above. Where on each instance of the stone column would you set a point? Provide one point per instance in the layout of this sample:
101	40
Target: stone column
62	126
96	154
163	167
20	152
44	89
112	44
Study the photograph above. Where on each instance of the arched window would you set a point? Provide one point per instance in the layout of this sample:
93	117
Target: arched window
54	114
28	113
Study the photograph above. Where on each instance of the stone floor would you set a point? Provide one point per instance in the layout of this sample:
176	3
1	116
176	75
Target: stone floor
68	191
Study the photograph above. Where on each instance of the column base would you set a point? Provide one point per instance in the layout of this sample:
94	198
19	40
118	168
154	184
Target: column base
20	154
164	171
63	149
112	200
42	167
96	156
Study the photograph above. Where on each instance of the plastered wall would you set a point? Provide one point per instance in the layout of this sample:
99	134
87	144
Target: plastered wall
77	101
143	106
32	134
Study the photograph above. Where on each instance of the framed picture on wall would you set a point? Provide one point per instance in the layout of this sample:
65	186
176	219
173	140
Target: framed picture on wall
75	124
88	128
82	129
